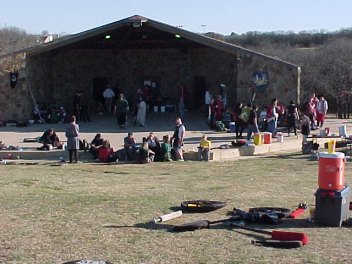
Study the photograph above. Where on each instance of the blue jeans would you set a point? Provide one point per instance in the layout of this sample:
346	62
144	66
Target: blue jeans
251	129
272	127
203	154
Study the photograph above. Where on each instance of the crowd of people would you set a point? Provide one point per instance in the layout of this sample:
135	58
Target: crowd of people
309	116
149	150
246	117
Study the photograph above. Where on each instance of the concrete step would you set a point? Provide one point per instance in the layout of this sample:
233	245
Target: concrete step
54	154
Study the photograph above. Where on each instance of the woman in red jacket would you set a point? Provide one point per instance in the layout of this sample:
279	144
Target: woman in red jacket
106	153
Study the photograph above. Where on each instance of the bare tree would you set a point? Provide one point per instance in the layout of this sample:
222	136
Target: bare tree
13	38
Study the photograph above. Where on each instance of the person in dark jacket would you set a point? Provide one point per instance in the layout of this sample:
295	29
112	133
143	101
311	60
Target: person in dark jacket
96	143
121	109
49	140
252	122
292	117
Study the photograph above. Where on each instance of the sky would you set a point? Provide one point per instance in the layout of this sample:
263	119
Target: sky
220	16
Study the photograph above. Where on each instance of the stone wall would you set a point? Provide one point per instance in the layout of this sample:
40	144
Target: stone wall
71	70
55	76
283	80
15	103
74	70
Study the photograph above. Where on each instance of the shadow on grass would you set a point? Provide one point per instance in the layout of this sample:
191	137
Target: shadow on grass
294	156
147	225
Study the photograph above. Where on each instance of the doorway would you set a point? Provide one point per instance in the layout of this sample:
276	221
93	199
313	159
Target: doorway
99	85
199	88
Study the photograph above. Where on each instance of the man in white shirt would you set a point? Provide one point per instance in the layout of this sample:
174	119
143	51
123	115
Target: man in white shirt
108	95
207	101
322	109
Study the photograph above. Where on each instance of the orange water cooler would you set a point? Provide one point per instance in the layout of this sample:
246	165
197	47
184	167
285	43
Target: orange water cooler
267	138
331	174
332	199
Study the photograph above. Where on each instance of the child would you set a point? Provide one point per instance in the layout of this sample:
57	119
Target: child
166	149
204	149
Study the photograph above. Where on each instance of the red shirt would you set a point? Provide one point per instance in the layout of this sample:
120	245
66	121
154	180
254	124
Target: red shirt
104	154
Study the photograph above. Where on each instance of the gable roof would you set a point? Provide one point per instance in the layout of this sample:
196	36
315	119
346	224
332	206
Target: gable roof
137	23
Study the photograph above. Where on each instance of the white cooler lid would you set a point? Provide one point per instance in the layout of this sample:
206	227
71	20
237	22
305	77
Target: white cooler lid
336	155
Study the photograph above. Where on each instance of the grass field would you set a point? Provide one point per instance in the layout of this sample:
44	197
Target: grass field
53	214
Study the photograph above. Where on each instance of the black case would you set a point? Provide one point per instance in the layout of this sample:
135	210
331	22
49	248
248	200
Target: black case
332	207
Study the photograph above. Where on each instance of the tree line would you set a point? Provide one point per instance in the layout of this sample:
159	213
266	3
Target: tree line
325	59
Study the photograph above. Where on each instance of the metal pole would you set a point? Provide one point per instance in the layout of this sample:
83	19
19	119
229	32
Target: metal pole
34	102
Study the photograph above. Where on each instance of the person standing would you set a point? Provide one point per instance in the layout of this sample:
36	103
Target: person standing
146	95
252	122
141	112
322	109
178	138
108	95
72	135
211	114
272	117
240	124
121	108
207	101
219	105
292	117
313	103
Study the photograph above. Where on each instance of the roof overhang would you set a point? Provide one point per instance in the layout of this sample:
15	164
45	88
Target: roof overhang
138	32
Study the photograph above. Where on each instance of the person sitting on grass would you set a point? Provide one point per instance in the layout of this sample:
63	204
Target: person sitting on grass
49	140
130	147
166	149
96	143
204	149
145	154
106	153
154	145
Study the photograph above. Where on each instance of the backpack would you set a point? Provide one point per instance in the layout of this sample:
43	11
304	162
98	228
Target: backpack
220	126
309	147
245	114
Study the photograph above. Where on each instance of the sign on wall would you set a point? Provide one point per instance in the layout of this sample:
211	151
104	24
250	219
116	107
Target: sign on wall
261	80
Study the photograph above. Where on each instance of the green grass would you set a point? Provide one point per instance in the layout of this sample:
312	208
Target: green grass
53	214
